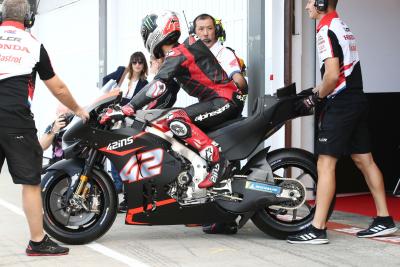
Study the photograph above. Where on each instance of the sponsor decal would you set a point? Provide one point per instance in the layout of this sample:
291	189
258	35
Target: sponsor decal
13	46
321	44
11	59
207	153
323	140
212	113
214	173
263	187
120	143
349	37
234	63
10	38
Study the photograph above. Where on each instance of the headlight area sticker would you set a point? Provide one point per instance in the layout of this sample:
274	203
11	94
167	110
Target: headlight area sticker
263	187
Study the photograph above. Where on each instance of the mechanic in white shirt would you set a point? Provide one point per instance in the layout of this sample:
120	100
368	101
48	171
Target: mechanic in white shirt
212	33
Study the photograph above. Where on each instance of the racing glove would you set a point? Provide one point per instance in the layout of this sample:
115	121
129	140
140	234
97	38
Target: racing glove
306	104
128	110
116	114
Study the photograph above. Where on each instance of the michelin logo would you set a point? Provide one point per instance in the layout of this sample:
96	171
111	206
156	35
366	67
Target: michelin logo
263	187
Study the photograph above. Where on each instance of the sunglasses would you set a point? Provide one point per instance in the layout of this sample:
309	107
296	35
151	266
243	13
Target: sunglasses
137	62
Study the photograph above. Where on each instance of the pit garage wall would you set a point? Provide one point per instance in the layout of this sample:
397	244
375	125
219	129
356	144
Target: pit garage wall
125	17
375	24
69	32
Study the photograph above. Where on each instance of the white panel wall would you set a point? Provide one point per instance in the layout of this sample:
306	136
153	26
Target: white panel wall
125	16
274	59
376	25
303	72
69	32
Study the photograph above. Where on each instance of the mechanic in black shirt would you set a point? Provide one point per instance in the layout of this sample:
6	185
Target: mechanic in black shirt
342	124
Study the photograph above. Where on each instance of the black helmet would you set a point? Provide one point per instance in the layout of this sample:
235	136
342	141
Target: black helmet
159	29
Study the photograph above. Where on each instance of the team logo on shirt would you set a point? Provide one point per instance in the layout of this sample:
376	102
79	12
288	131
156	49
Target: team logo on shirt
234	63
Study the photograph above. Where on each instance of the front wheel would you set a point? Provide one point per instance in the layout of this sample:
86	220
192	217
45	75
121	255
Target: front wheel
279	222
74	220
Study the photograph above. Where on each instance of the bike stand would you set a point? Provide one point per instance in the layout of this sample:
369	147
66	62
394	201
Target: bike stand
396	191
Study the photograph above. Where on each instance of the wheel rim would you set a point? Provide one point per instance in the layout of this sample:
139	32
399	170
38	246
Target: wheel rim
71	220
305	212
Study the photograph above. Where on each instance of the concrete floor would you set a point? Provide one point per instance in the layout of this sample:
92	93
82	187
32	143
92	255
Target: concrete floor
167	246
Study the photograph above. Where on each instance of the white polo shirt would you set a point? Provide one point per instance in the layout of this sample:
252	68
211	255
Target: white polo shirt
226	58
334	39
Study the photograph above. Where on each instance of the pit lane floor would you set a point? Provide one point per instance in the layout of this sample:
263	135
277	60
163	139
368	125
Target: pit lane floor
125	245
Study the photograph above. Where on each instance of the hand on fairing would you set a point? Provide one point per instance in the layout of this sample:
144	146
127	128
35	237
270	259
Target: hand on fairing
83	114
116	114
306	104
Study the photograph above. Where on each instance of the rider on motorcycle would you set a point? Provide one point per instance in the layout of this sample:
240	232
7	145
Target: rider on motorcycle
199	74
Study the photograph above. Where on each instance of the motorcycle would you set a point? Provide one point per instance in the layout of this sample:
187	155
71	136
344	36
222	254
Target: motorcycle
161	174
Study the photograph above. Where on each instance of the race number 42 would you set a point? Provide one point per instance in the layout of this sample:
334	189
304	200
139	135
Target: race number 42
143	165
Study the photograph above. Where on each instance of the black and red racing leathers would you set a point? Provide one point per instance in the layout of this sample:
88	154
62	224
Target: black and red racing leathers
196	69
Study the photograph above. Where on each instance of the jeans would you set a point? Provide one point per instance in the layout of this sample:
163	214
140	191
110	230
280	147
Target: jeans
117	179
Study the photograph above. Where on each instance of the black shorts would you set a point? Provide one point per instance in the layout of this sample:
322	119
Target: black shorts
24	155
343	126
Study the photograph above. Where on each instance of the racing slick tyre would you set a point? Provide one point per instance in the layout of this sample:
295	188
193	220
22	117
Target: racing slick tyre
280	222
73	220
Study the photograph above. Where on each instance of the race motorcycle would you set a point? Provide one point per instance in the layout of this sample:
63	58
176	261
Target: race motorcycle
161	174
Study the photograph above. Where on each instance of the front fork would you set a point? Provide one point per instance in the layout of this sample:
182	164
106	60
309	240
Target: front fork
82	190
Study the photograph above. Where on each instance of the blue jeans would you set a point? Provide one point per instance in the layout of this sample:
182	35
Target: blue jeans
117	179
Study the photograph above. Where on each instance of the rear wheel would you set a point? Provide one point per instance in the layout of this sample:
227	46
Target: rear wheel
281	222
73	220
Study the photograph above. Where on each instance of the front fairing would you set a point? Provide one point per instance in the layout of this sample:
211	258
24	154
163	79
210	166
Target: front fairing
77	130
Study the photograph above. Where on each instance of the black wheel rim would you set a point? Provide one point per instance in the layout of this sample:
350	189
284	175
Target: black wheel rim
72	222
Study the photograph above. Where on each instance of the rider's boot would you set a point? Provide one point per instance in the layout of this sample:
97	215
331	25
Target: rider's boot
181	126
217	163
